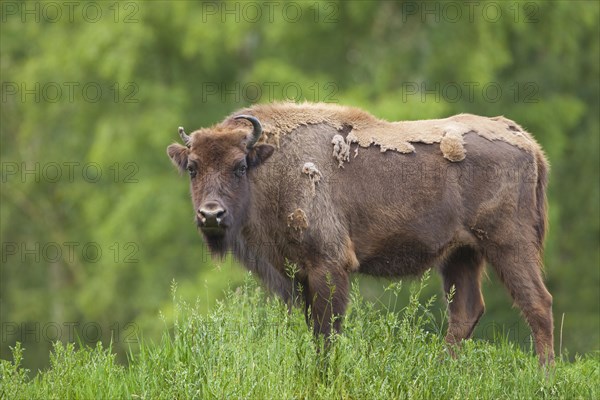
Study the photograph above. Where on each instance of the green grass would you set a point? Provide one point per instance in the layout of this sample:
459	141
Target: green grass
250	346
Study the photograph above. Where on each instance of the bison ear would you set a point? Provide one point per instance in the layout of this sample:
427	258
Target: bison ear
178	155
259	154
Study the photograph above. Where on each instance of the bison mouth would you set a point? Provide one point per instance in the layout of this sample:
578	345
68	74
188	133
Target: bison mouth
214	229
212	226
213	232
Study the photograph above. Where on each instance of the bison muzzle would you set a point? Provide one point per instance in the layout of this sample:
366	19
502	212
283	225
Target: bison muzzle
337	191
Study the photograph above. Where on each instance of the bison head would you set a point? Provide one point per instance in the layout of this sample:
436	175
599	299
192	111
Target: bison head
220	163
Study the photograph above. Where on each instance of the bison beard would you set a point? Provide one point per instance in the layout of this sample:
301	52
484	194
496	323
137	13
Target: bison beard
453	193
216	241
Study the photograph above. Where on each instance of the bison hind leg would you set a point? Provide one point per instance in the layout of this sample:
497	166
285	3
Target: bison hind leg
461	273
519	267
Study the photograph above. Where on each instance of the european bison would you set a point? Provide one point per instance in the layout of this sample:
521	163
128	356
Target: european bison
335	191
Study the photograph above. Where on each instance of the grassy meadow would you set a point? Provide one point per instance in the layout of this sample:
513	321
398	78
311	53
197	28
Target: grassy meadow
250	346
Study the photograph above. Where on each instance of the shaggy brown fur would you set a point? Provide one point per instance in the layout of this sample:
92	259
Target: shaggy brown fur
454	193
282	118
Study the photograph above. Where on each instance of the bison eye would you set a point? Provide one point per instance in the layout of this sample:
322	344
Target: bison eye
241	169
192	171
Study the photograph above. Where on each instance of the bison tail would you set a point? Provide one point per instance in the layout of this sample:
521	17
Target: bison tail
541	200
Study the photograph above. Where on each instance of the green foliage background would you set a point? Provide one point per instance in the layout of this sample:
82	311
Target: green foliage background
164	64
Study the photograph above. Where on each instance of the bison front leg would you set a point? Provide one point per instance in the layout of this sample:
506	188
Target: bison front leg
326	296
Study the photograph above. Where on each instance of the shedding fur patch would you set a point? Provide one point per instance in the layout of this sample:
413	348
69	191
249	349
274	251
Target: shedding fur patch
311	170
297	220
282	118
341	150
314	175
452	146
480	233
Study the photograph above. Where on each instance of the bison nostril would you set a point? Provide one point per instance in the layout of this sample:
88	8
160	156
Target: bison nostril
211	214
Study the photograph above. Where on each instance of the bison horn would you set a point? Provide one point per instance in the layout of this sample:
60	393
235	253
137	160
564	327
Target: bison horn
184	137
257	129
